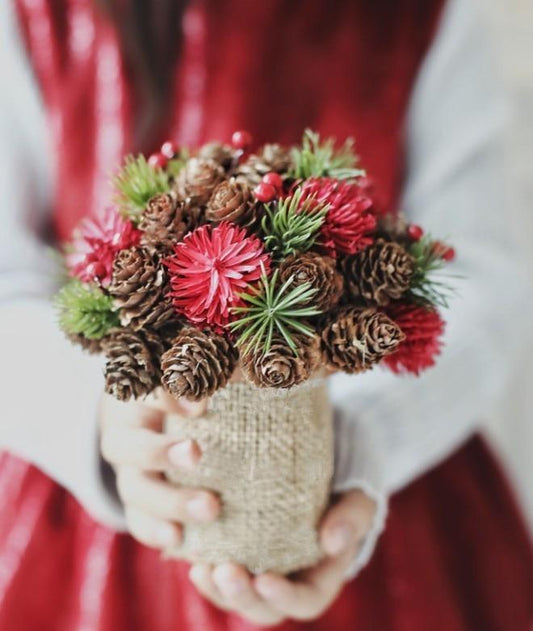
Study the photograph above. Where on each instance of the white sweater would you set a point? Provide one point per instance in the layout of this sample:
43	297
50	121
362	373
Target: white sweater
389	429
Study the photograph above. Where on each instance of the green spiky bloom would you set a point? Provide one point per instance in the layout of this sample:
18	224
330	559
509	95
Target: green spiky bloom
136	183
86	310
291	226
316	158
427	287
273	309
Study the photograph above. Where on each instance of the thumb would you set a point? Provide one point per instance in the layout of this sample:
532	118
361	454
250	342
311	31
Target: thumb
347	522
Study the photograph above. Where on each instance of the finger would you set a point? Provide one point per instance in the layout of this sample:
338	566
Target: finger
130	414
347	522
156	533
236	586
201	578
162	400
146	449
163	500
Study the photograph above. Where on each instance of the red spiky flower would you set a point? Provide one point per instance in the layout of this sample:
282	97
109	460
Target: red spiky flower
96	243
350	218
423	328
210	268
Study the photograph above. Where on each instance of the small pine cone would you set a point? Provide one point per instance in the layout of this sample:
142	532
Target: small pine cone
281	367
139	287
356	338
132	369
270	158
197	364
232	200
219	153
320	272
380	273
198	178
93	347
391	227
166	220
170	331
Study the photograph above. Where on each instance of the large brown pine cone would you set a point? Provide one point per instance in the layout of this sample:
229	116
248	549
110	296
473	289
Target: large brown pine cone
132	369
356	338
320	272
198	178
232	200
271	158
219	153
380	273
197	364
281	366
166	220
139	287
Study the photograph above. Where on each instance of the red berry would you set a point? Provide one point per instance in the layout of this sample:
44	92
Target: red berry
415	232
448	254
274	179
157	161
265	192
169	149
241	139
96	270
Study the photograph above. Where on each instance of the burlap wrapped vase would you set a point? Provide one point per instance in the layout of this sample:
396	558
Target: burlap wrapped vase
268	453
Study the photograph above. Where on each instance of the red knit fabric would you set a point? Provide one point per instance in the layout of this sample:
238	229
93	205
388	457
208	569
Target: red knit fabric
455	555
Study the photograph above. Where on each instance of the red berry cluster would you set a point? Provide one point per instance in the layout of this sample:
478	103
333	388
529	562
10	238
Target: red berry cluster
168	151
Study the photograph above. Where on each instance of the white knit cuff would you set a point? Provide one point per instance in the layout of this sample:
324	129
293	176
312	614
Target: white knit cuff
357	466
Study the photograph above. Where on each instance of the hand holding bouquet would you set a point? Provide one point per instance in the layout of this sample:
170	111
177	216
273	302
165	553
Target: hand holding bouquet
241	276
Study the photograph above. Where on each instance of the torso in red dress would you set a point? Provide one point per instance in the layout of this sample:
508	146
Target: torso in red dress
455	555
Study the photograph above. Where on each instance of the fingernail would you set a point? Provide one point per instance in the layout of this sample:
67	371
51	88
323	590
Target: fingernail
200	508
337	539
183	455
166	535
196	573
228	581
266	586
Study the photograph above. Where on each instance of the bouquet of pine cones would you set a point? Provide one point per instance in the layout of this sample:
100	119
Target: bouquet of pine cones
278	262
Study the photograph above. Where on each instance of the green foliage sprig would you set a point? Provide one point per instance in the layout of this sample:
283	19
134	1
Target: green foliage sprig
427	287
86	310
273	309
291	225
136	183
316	158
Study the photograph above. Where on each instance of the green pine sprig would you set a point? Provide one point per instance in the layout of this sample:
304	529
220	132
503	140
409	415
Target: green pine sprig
316	158
86	310
273	309
136	183
428	287
291	225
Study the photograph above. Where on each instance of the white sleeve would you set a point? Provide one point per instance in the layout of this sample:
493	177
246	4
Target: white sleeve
455	189
50	390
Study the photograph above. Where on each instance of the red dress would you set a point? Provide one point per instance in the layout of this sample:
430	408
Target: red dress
455	555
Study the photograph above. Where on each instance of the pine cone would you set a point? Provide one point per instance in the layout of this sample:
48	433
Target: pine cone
93	347
198	179
197	364
166	220
132	369
232	200
281	367
320	272
380	273
219	153
139	288
170	331
356	338
270	158
393	228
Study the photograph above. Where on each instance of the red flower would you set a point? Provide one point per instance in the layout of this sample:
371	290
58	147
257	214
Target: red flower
210	268
96	243
423	328
350	218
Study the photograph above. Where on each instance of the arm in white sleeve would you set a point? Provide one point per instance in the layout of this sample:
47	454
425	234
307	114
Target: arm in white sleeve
50	390
455	189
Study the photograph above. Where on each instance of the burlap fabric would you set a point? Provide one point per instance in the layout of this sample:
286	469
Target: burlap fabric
269	454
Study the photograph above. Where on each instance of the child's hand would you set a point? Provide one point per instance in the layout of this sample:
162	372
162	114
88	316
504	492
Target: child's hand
133	443
269	598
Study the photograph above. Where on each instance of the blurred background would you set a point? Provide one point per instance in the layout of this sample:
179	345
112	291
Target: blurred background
511	25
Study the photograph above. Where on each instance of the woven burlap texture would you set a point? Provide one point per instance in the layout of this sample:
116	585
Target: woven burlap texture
269	455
